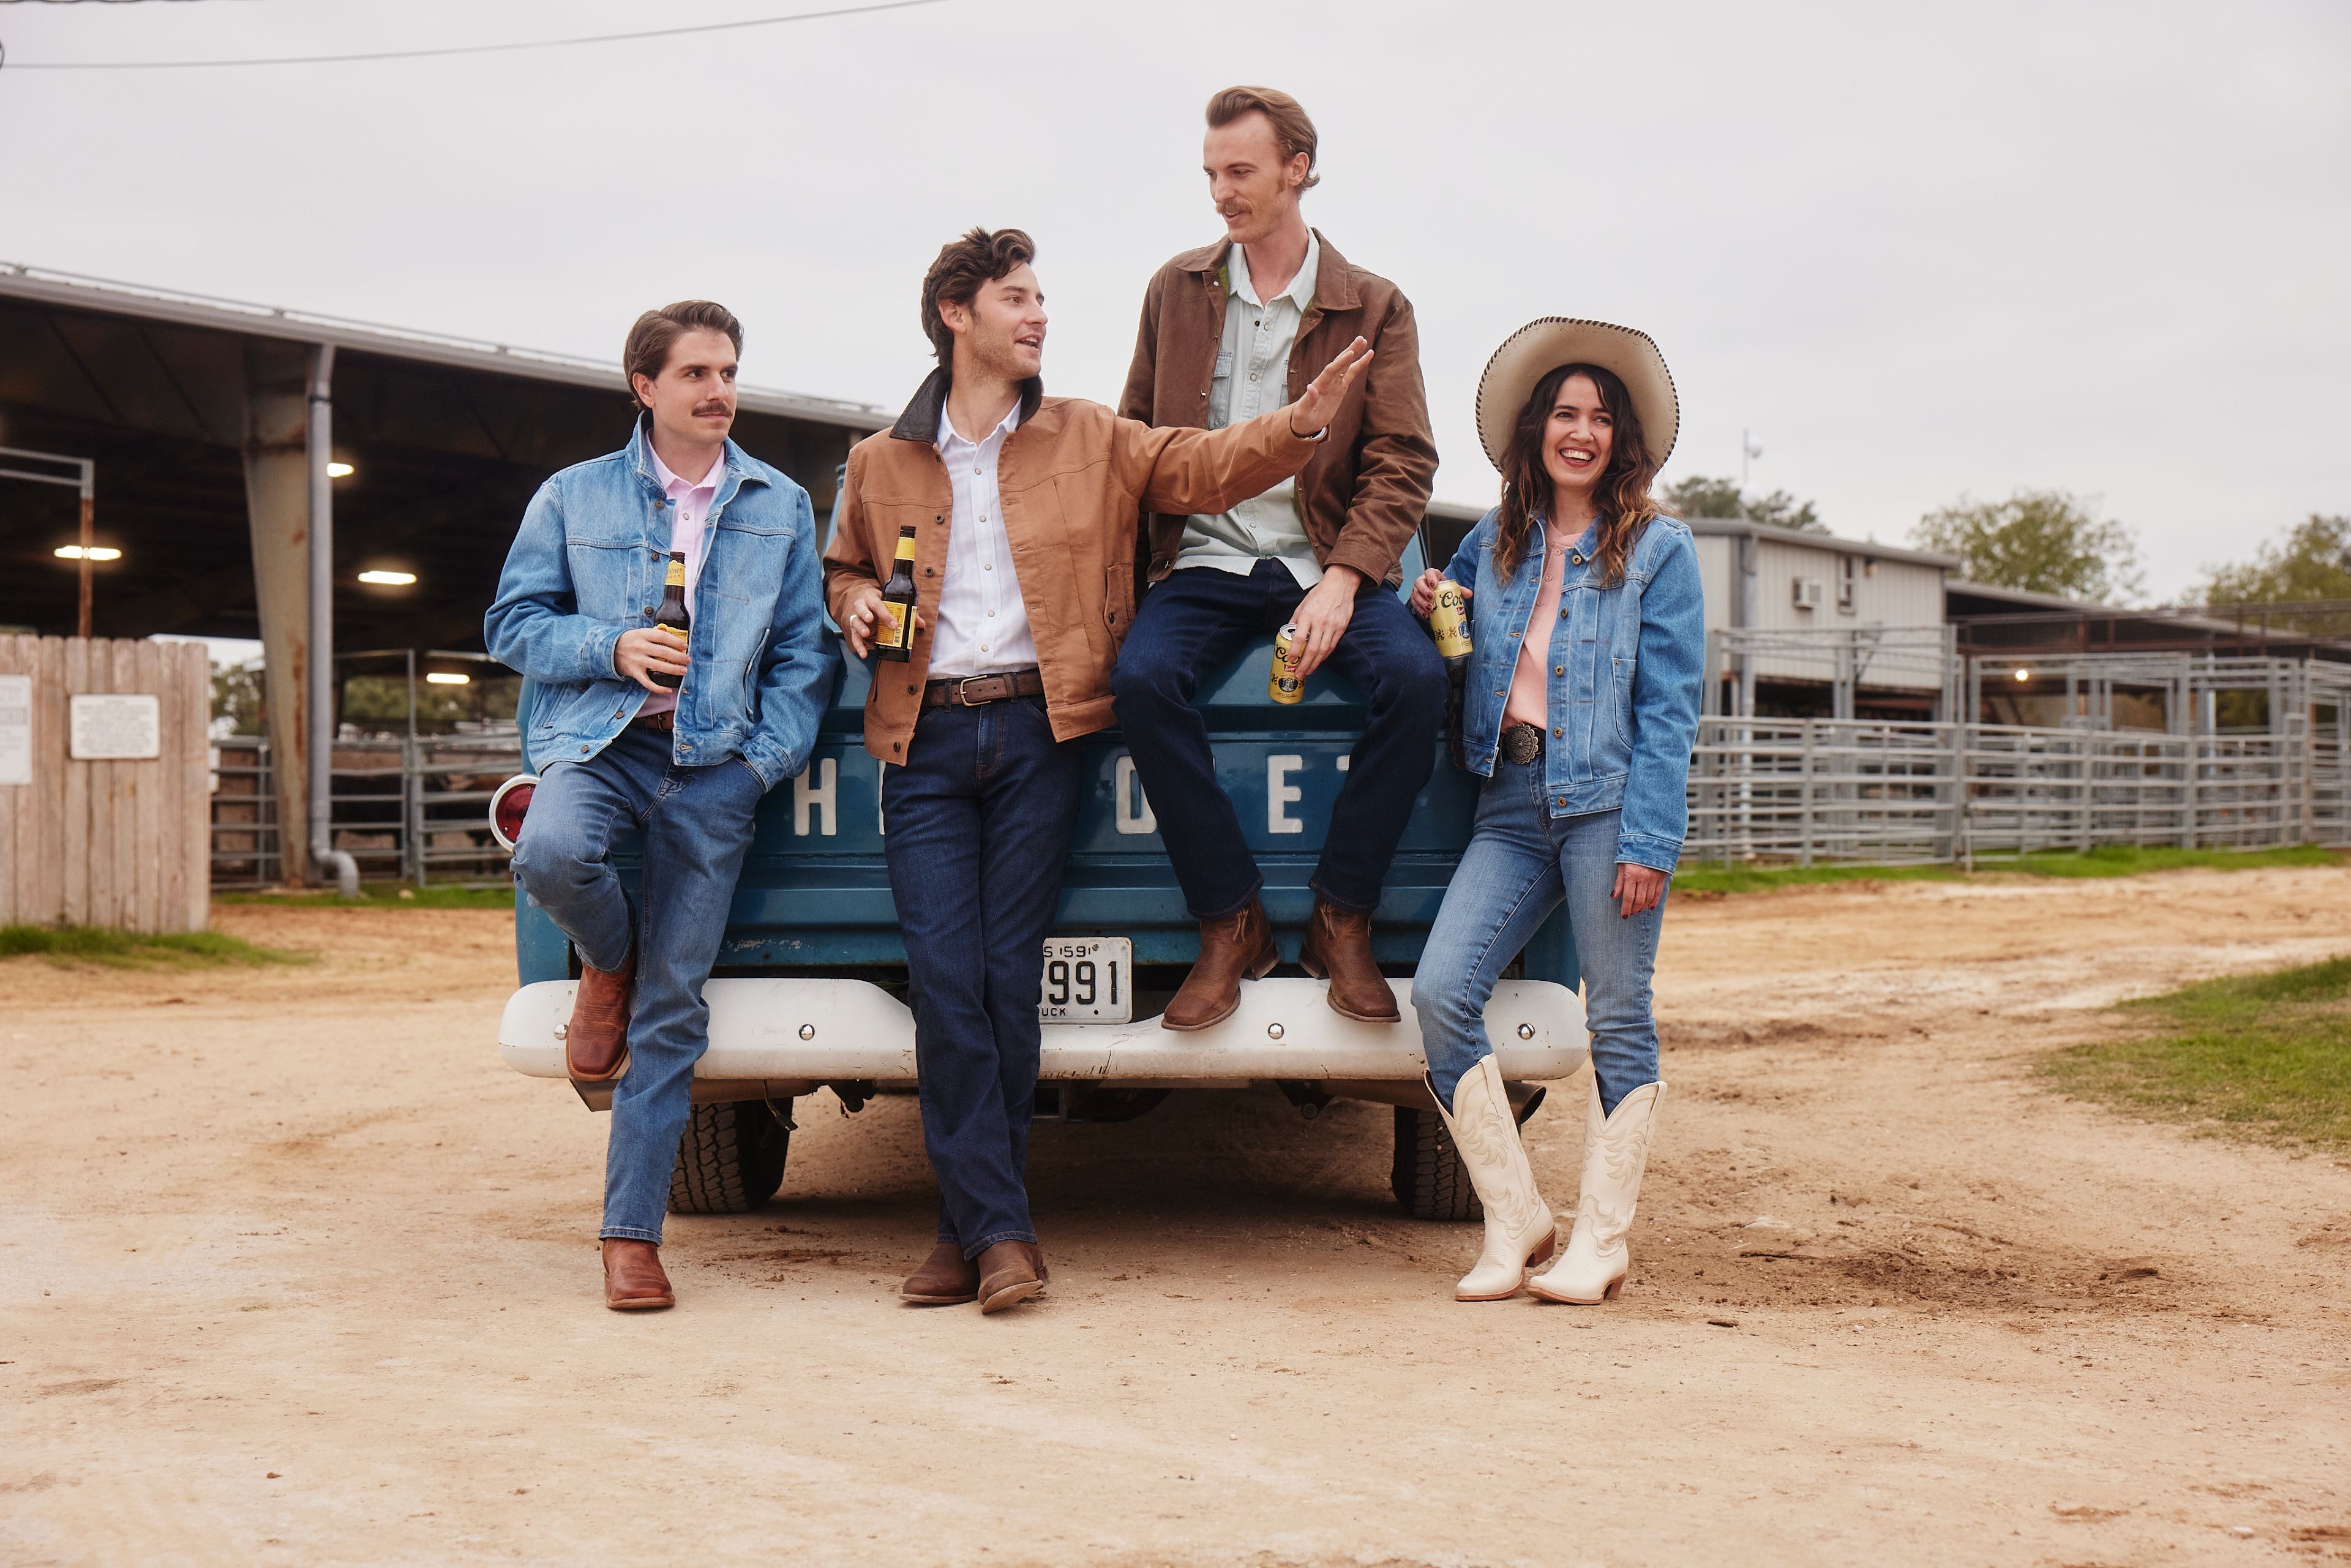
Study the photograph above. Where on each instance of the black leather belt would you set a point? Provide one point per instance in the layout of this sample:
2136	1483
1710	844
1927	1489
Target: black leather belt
666	721
978	691
1522	743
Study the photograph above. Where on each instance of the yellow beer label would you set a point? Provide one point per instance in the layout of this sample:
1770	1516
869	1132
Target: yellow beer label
676	578
890	626
1449	624
1283	684
676	632
905	546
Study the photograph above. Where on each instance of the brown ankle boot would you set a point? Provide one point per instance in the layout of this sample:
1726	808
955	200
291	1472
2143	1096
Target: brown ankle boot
633	1280
596	1042
1009	1273
1338	947
945	1279
1237	947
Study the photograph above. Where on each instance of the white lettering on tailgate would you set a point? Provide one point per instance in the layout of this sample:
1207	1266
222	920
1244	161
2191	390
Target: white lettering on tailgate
1134	813
815	801
1279	792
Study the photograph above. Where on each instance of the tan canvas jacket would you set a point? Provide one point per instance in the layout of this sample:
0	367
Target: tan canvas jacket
1366	488
1074	478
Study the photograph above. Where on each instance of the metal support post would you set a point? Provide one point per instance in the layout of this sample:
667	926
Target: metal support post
321	451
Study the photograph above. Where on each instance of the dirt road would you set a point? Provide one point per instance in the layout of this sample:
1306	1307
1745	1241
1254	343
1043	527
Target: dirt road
293	1271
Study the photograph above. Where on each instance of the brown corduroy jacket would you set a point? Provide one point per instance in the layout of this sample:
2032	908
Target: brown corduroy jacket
1074	478
1366	489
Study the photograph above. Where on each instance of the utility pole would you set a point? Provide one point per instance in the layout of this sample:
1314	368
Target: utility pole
84	479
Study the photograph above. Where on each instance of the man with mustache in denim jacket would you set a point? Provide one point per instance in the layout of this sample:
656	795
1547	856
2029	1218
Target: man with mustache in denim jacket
683	761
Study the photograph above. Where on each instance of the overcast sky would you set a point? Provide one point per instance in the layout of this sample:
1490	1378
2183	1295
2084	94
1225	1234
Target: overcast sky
1920	251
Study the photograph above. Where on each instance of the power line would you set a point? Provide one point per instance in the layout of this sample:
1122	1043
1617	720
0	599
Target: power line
463	48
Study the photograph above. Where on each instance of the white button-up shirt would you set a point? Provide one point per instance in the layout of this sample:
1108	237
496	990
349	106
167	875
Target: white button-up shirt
689	510
983	623
1252	375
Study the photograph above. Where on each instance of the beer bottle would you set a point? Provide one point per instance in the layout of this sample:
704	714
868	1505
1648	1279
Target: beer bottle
671	616
896	642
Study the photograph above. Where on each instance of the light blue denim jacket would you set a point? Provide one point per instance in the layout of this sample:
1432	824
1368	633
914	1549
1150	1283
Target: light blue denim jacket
1626	668
588	563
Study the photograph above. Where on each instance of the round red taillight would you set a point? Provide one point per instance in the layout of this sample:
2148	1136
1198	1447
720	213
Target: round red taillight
509	805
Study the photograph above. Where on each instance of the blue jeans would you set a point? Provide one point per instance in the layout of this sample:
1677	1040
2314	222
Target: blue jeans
977	831
1520	865
1189	625
696	823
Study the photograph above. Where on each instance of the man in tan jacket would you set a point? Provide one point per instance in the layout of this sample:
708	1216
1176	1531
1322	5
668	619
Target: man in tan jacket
1025	511
1227	330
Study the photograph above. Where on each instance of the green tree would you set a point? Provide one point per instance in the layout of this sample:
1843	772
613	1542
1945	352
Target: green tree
2313	561
2048	541
1701	496
237	694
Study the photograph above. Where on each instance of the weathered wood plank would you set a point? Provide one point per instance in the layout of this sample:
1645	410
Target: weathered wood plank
49	778
145	784
16	806
80	853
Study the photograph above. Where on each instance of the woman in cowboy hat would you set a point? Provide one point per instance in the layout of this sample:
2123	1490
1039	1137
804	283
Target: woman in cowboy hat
1579	708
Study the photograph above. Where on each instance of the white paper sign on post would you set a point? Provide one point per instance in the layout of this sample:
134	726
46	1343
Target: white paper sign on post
117	726
16	730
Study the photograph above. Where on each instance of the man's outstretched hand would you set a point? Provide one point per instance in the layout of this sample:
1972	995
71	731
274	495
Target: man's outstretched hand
1312	414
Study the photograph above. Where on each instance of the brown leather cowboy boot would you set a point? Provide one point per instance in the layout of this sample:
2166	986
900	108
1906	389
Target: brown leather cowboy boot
945	1279
1009	1273
596	1042
1338	947
1237	947
633	1280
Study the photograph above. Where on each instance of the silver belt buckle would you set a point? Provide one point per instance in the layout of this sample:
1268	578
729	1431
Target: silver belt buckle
963	691
1521	744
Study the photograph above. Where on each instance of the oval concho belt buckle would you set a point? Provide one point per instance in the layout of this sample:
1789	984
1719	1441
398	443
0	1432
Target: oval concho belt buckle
1521	743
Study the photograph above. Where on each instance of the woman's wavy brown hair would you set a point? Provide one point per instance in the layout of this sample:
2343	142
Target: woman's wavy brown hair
1622	496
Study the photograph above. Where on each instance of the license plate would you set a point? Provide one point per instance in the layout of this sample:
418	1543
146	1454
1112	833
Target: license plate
1087	979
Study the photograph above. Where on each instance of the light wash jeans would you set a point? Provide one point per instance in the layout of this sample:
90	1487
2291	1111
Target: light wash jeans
696	823
1520	865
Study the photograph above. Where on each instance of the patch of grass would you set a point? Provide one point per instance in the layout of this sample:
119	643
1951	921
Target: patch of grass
2110	860
1763	879
2135	860
383	895
67	945
2265	1057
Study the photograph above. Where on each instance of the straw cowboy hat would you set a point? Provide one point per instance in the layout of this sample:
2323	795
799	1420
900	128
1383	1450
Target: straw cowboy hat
1542	345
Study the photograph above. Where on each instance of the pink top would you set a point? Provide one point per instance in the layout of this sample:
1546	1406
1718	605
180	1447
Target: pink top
1530	698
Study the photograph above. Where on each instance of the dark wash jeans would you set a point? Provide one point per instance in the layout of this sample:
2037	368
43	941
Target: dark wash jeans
697	825
1189	624
977	825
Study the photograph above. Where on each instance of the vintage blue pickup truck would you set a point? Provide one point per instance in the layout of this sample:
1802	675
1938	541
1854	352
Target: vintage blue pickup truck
809	991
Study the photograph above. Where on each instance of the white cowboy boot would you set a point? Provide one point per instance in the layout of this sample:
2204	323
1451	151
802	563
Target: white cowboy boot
1616	1152
1518	1228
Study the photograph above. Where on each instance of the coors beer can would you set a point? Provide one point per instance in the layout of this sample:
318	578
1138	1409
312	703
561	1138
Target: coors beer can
1285	684
1448	622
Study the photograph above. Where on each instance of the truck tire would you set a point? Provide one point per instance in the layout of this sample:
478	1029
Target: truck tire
1428	1177
730	1161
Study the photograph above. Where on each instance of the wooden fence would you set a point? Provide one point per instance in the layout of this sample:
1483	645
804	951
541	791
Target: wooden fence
119	834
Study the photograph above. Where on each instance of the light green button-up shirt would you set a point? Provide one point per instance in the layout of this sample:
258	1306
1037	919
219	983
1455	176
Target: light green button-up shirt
1253	376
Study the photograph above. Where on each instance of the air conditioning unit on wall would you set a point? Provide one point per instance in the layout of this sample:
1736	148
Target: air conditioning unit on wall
1811	593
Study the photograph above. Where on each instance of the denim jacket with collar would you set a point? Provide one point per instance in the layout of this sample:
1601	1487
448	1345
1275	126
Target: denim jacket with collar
1625	671
588	564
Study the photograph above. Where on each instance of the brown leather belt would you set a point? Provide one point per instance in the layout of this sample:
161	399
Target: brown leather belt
978	691
666	721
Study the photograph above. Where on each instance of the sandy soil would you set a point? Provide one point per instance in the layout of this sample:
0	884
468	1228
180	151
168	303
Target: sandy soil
292	1272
